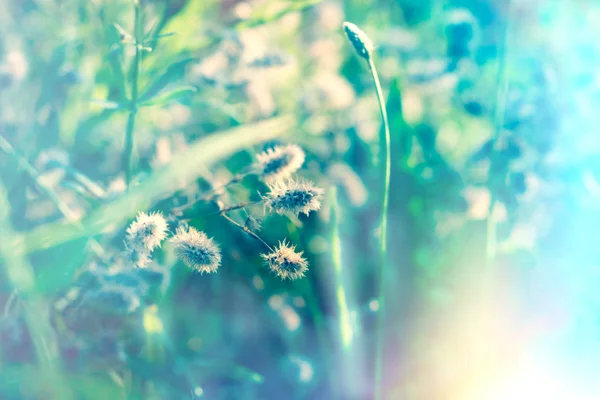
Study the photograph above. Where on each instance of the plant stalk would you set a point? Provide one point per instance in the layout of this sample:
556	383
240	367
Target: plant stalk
386	149
247	230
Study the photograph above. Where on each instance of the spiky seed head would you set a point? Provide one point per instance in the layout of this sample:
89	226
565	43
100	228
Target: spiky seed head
146	232
361	42
279	162
137	256
294	196
196	250
286	262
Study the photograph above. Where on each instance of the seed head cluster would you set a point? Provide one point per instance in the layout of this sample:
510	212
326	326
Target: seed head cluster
196	250
361	42
279	162
294	196
286	262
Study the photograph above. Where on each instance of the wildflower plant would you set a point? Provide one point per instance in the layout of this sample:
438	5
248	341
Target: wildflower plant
144	235
294	196
279	162
196	250
147	231
107	302
286	262
364	47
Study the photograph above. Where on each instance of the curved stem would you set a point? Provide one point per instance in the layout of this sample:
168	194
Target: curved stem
239	206
212	193
386	149
246	229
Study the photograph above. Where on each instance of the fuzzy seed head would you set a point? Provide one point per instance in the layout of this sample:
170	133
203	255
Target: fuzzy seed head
361	42
146	232
196	250
279	162
294	197
286	262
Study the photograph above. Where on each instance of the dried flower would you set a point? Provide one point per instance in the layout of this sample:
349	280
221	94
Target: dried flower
361	42
146	232
295	197
279	162
286	262
196	250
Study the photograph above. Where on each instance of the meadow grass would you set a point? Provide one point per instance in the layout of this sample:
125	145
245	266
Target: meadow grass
161	163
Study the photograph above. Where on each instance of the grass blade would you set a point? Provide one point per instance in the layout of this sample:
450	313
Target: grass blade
185	169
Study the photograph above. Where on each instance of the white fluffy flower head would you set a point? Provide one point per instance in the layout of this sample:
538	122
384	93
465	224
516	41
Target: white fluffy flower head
286	262
279	162
294	196
146	232
196	250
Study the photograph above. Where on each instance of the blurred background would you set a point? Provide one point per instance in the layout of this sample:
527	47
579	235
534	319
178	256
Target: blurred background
492	269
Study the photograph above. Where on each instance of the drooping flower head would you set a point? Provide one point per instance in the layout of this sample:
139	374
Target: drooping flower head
361	42
295	197
146	232
279	162
196	250
286	262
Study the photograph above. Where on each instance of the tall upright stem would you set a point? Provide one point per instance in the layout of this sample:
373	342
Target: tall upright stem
386	149
128	152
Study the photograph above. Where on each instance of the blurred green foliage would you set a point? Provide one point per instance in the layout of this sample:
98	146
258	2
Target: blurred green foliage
492	219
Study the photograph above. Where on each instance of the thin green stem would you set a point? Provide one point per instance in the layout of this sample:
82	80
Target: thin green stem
128	152
386	149
212	193
246	229
388	158
239	206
